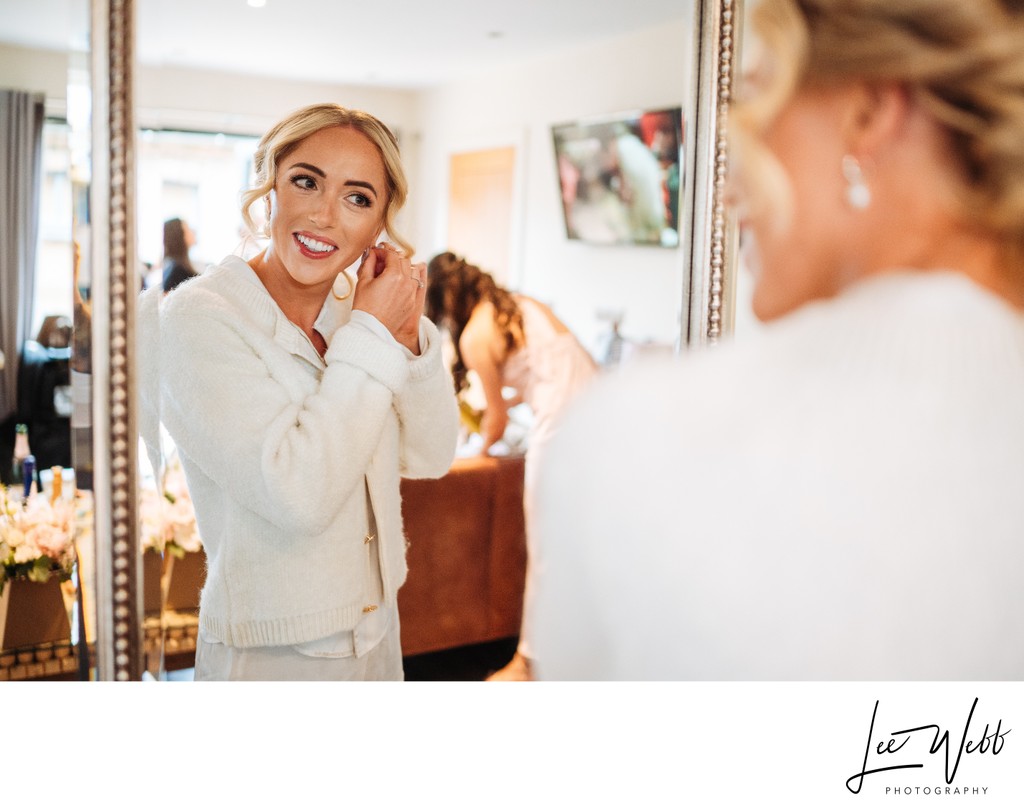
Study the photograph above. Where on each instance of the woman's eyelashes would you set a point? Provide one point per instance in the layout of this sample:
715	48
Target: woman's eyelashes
304	181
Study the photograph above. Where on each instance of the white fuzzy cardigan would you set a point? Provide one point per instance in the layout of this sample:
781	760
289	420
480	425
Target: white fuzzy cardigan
276	444
839	498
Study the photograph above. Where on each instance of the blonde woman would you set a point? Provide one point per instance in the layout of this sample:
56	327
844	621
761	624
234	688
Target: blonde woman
839	498
297	399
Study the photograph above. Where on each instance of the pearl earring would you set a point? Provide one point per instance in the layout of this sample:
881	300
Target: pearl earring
858	195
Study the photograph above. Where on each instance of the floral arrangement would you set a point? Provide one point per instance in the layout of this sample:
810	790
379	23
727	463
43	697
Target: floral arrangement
37	537
167	517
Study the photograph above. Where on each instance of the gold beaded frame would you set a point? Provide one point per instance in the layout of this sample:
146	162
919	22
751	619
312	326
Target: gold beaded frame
112	199
710	250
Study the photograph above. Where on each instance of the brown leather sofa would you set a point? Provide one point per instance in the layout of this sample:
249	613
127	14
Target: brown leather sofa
467	555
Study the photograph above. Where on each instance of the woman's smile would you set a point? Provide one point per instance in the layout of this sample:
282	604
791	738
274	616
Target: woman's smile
314	247
327	206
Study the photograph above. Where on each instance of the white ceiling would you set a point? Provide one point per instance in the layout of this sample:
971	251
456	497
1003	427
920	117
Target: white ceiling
396	43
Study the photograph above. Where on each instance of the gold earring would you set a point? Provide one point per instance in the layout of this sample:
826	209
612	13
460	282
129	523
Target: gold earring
266	210
348	293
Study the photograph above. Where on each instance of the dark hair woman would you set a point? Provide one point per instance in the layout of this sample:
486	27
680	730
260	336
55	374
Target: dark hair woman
508	340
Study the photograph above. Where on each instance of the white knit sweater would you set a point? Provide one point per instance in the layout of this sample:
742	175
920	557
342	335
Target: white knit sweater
276	444
840	498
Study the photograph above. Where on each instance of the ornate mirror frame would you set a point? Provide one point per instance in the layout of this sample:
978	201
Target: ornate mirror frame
709	264
710	250
113	250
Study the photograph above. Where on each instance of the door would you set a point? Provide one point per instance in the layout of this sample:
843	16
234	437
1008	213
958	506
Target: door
480	208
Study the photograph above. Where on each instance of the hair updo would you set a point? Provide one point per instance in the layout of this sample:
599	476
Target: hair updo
962	61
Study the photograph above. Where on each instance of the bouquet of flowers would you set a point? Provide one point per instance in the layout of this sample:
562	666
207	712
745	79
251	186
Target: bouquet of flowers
167	518
37	537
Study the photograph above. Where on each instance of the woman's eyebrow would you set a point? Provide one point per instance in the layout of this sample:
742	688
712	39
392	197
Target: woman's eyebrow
312	168
358	183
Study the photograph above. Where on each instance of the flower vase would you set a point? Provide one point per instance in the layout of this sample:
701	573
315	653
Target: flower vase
186	581
32	614
152	588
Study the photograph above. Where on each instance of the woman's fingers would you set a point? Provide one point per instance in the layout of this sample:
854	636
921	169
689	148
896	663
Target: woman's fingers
394	258
393	289
370	265
419	274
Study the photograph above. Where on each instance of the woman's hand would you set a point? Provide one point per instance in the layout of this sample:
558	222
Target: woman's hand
393	289
492	426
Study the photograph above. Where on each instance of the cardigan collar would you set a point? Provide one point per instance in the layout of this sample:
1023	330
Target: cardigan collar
333	314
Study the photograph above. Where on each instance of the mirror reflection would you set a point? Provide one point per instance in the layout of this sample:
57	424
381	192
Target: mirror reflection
486	184
46	556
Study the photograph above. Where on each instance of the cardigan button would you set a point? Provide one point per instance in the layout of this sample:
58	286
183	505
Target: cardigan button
369	537
369	609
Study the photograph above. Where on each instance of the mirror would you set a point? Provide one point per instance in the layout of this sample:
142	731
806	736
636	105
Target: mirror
115	454
673	298
711	263
64	281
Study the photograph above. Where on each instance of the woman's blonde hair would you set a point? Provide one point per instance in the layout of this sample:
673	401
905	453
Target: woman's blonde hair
962	61
286	135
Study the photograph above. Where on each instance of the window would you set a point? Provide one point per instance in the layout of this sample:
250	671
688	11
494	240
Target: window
195	176
54	269
198	177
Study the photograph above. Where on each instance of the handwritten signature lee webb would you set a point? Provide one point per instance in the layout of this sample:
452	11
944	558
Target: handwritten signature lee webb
991	741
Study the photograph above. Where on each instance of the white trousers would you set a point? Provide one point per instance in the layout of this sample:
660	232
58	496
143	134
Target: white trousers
219	662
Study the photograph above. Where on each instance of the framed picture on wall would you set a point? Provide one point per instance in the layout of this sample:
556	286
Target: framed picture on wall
620	177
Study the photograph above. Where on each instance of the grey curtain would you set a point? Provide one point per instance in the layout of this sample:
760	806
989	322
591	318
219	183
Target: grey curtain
21	151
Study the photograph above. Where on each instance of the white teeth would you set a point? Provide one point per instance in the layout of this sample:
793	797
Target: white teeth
316	246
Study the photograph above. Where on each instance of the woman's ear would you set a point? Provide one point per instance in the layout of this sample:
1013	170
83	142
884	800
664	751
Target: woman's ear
875	114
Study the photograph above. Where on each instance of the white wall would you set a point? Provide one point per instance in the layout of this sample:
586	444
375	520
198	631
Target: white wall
173	97
518	107
170	97
515	106
199	100
35	71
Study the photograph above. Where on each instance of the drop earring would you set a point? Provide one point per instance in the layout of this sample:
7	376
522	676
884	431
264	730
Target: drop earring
348	293
266	210
858	195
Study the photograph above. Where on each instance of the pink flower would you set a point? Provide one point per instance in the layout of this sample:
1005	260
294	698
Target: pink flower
52	541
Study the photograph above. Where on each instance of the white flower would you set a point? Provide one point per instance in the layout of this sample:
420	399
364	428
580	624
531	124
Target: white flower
181	523
151	520
166	516
13	536
34	528
26	553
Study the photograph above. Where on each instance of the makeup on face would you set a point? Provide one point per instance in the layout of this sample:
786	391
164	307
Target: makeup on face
328	204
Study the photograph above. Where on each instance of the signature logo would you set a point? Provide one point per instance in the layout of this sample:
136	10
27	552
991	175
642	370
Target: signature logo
986	741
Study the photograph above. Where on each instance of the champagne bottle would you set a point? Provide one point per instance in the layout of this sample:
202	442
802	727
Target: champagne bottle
21	450
28	469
